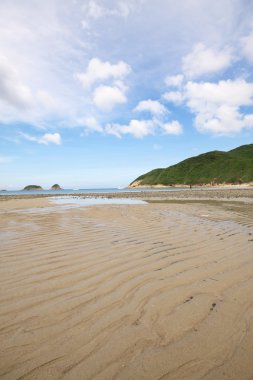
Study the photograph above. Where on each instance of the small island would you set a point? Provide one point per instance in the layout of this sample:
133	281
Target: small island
56	187
32	187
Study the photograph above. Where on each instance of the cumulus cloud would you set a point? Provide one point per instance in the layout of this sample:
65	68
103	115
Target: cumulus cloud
136	128
172	128
174	97
158	124
106	97
217	106
203	60
12	90
225	120
90	124
206	95
54	138
142	128
152	106
247	46
98	70
38	82
174	80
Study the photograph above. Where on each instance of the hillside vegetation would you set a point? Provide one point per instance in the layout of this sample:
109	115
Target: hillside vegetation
216	167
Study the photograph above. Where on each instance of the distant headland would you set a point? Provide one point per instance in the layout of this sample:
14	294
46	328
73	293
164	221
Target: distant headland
214	168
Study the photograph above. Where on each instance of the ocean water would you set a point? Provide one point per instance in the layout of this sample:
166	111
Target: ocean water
113	190
85	191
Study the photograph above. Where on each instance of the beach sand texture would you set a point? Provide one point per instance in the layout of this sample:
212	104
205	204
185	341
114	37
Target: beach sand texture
156	291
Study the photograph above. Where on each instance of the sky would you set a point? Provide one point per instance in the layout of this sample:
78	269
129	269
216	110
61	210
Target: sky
94	93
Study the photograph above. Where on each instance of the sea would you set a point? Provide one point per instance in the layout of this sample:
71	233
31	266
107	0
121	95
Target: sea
112	190
87	191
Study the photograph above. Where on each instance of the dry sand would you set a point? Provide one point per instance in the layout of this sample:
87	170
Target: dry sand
156	291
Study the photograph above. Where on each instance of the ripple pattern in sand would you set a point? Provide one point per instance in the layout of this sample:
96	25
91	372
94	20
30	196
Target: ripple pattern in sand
126	292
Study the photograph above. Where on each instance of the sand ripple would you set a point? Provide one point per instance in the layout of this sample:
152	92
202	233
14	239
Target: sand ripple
158	291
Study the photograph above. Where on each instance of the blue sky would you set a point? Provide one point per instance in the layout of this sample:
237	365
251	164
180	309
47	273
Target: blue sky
94	93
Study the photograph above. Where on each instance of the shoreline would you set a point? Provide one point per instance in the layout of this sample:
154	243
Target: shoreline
208	194
206	185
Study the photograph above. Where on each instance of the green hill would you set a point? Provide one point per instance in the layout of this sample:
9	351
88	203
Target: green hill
233	167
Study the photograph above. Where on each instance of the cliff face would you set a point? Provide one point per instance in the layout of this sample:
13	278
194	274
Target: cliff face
212	168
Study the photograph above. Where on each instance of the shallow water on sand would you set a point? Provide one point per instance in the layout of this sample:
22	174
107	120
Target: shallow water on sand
67	202
78	201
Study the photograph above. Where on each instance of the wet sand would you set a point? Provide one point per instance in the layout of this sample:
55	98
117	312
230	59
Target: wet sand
155	291
245	194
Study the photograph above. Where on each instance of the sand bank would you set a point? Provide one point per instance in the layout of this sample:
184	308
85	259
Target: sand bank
156	291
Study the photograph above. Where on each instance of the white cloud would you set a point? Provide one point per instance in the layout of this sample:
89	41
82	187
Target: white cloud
106	97
136	128
91	124
217	105
206	95
203	60
225	120
54	138
174	80
142	128
37	85
47	101
98	70
247	47
152	106
172	128
17	100
12	90
174	97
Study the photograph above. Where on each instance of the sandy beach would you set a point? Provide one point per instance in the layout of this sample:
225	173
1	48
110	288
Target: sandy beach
161	290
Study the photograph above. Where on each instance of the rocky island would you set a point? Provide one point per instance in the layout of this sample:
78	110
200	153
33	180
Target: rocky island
56	187
32	187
